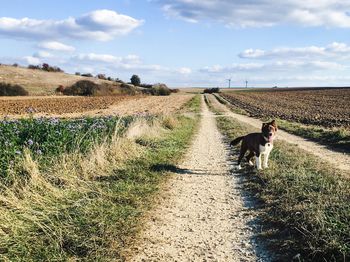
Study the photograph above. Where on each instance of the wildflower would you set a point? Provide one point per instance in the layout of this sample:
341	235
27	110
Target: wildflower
30	110
30	142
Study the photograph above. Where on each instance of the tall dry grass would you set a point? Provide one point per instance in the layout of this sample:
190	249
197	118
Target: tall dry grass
87	206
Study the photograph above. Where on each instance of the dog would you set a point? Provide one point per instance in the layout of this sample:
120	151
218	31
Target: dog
257	144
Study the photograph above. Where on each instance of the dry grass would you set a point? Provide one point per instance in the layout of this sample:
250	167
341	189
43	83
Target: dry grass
87	206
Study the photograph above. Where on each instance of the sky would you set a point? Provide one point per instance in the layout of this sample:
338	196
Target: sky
184	43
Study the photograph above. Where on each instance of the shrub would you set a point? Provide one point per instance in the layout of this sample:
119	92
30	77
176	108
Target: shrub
77	73
60	89
135	80
211	90
82	88
12	90
119	81
87	75
34	67
101	76
89	88
146	85
158	90
161	90
46	67
174	90
15	65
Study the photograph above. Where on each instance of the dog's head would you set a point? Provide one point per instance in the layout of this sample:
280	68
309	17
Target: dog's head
269	130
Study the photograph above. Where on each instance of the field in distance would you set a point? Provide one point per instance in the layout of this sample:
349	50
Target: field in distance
328	107
62	106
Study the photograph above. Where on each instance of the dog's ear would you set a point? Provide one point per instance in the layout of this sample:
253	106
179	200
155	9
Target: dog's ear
274	124
264	125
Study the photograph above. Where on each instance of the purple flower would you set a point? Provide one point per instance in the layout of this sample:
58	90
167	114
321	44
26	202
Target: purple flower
30	142
30	110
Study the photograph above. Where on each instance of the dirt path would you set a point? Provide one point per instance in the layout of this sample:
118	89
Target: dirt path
338	160
202	214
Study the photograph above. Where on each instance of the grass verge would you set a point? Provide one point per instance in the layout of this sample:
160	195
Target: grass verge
88	206
306	202
336	138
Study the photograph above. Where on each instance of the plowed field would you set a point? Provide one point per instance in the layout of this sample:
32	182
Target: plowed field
325	107
90	106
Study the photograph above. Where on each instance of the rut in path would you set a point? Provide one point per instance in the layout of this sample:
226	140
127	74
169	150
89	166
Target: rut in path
201	215
337	159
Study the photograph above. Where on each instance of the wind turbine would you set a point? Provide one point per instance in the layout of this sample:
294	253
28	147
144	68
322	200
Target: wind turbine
229	82
246	83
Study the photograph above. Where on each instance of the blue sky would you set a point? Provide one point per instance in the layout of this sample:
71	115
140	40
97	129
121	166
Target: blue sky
184	42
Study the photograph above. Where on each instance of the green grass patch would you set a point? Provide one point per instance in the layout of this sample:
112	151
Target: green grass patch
306	201
336	138
194	105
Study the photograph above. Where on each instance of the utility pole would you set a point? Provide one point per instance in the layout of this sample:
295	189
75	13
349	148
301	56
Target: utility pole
229	82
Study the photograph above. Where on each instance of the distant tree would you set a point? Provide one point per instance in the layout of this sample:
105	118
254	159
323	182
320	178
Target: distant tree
77	73
135	80
46	67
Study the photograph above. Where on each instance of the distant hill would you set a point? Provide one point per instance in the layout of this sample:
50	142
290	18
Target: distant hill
38	82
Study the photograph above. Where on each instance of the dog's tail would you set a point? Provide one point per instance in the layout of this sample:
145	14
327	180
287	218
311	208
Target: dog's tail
236	141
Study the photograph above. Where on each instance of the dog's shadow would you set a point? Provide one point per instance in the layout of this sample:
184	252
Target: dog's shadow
184	171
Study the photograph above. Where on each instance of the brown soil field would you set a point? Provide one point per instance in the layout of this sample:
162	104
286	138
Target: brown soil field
38	82
324	107
90	106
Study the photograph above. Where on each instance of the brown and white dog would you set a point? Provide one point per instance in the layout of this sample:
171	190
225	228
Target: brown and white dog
257	144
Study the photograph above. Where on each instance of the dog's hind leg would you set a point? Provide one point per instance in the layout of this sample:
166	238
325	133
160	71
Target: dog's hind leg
249	158
244	149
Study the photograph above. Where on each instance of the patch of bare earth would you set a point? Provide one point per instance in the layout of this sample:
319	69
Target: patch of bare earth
337	159
73	107
201	214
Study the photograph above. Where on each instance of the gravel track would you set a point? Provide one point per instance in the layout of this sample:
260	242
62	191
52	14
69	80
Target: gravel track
201	214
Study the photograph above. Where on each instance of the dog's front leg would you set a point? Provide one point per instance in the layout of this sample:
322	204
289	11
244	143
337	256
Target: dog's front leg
258	162
266	159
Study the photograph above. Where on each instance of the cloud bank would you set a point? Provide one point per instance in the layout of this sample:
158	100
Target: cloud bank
260	13
100	25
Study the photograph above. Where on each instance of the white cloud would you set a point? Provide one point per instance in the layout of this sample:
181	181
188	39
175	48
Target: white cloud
284	66
92	57
184	70
129	63
259	13
43	54
101	25
56	46
31	60
334	50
